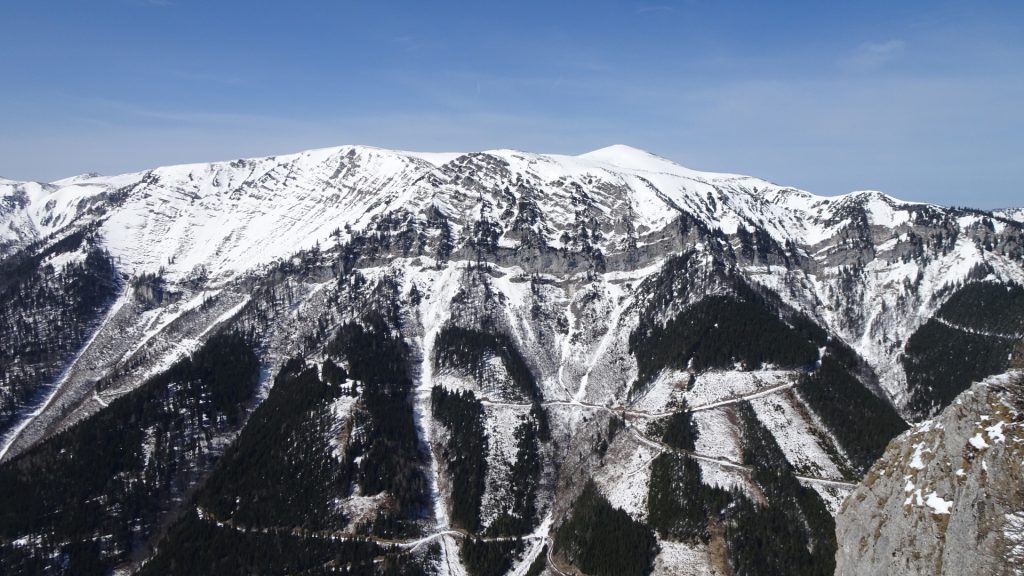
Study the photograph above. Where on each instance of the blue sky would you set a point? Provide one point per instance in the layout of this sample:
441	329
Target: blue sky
924	100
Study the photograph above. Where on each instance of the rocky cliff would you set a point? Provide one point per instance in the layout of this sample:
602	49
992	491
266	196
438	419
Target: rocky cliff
948	495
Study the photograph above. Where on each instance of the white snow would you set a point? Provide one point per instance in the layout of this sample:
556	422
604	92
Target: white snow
718	440
437	294
500	425
938	504
916	461
679	559
626	480
669	386
795	435
230	218
978	441
360	509
438	159
341	410
717	436
995	432
1011	214
715	387
227	218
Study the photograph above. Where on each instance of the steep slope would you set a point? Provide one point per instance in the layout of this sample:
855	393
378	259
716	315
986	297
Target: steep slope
948	496
81	501
477	341
49	305
871	268
1010	214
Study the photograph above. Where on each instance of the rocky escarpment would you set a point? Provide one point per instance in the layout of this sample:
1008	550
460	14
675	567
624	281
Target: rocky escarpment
485	363
948	495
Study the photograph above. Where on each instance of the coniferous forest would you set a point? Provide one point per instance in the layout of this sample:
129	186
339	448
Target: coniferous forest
469	350
465	452
46	314
269	505
680	506
860	421
498	363
971	336
605	541
719	332
286	443
794	534
97	491
388	449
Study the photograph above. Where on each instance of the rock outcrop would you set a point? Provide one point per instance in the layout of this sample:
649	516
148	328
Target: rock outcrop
948	495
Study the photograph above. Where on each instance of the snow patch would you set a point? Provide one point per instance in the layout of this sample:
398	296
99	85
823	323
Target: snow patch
995	432
978	442
916	460
938	504
795	436
714	387
679	559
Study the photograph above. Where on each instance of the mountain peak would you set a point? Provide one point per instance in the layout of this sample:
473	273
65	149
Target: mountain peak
623	155
575	282
634	159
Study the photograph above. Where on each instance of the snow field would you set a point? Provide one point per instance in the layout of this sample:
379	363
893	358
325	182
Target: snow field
679	559
499	426
715	387
626	475
795	435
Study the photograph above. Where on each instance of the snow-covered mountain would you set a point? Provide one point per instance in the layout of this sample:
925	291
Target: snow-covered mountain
570	335
1010	213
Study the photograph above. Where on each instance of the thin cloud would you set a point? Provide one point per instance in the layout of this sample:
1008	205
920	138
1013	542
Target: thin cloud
871	56
655	9
207	77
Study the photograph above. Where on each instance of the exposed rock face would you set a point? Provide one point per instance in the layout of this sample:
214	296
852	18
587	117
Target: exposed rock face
717	357
948	495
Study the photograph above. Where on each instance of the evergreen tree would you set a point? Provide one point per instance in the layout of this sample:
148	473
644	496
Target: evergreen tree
605	541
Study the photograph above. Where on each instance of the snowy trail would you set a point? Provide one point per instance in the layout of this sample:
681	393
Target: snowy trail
551	562
565	351
59	385
644	413
421	409
744	398
723	462
837	483
410	544
949	324
644	439
434	313
96	396
541	536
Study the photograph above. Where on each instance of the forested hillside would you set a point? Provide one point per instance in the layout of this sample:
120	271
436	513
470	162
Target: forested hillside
971	336
90	498
364	361
49	305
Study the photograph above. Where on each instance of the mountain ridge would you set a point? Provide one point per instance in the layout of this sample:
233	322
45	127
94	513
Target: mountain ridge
62	194
553	334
